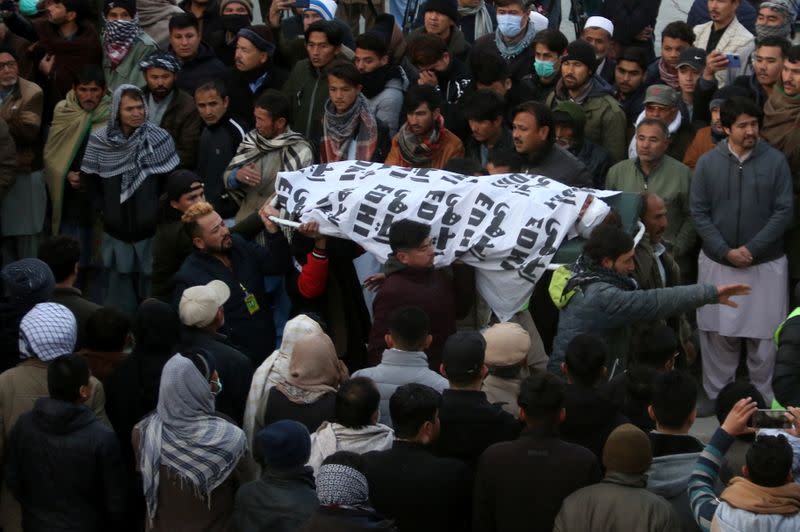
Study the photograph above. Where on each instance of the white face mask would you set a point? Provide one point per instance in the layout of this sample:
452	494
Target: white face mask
509	25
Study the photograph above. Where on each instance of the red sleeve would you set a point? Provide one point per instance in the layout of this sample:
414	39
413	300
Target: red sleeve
313	277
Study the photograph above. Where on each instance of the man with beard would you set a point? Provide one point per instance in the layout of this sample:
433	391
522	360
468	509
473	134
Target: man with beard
599	31
241	265
484	112
235	15
605	120
629	83
782	131
446	73
170	108
768	62
741	205
124	44
84	110
726	35
653	170
424	141
776	19
382	83
706	138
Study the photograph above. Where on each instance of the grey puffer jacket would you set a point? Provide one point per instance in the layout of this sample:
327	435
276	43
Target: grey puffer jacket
387	105
608	312
742	204
668	477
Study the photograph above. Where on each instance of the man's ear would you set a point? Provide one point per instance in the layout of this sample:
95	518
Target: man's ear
562	415
507	84
564	369
389	340
428	341
746	472
484	371
174	204
84	392
442	371
544	132
651	412
198	243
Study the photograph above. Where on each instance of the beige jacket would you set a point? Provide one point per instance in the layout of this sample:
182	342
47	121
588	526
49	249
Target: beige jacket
736	40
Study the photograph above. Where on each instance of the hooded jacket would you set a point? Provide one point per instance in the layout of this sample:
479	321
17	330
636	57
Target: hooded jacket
333	437
734	204
66	470
605	119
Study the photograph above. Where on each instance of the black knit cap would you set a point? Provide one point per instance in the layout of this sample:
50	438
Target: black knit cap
581	51
449	8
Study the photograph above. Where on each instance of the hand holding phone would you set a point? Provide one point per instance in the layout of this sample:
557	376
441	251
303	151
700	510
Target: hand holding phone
733	61
770	419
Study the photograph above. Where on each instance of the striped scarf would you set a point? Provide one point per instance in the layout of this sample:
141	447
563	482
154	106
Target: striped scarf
119	37
184	435
149	150
668	75
295	151
416	152
340	129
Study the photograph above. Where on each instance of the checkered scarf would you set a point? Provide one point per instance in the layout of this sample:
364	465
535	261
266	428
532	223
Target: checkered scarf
341	485
149	150
340	129
119	37
418	152
184	435
47	332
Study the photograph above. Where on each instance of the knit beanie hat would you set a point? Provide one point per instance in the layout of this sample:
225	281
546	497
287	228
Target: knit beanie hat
581	51
47	332
627	450
283	444
448	8
127	5
325	8
248	4
180	182
29	280
507	344
260	36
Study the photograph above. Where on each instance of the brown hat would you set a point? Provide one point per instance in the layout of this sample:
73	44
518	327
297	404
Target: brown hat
627	450
507	344
314	363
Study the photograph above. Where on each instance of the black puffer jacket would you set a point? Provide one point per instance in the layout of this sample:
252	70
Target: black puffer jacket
65	469
786	377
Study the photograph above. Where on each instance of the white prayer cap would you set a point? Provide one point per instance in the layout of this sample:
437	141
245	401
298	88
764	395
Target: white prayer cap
600	22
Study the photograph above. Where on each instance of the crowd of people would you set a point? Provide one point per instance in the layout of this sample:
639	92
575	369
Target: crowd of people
174	357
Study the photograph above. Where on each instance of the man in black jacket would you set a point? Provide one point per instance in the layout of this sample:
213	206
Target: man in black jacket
409	483
242	266
484	110
64	466
469	422
520	485
198	62
203	315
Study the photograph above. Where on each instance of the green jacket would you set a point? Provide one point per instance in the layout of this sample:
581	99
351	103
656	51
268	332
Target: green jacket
128	70
672	181
307	91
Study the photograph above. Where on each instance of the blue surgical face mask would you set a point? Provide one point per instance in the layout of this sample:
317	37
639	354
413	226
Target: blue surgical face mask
544	69
509	25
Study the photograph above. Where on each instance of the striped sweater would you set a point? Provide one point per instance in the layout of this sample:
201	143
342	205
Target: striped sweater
702	498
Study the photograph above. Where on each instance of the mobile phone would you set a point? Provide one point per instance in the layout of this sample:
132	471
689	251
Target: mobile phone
300	4
770	419
733	61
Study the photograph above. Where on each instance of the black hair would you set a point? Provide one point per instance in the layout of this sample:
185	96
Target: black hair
81	8
419	94
10	51
357	400
411	405
107	330
655	346
585	359
409	327
634	54
732	393
215	84
505	157
674	398
552	38
793	55
541	397
736	106
506	3
373	43
769	460
345	71
654	122
426	49
181	21
346	458
484	104
333	33
488	68
407	234
773	41
464	166
65	376
90	74
543	115
61	253
131	93
607	242
679	30
276	104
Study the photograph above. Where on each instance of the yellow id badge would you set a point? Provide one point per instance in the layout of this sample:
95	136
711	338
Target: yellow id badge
250	301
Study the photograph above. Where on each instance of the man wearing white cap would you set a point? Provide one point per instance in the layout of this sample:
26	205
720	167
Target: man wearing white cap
598	32
202	314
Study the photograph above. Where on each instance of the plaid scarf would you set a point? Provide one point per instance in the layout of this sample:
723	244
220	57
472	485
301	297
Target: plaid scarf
668	75
118	38
149	150
184	435
339	130
418	152
47	332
